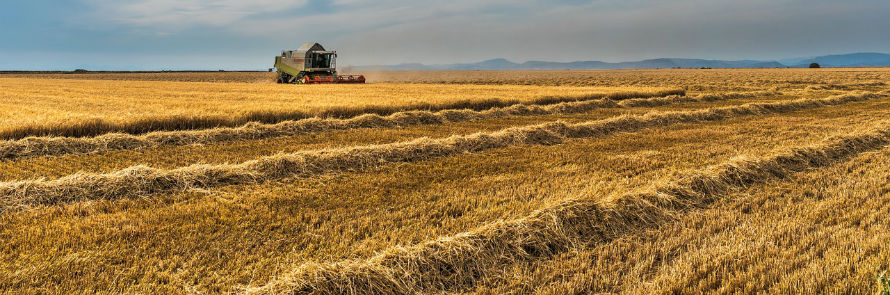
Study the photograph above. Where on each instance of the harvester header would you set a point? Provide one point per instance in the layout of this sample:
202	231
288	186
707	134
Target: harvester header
311	64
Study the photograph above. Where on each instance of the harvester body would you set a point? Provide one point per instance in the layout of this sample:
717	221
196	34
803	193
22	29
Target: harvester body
311	64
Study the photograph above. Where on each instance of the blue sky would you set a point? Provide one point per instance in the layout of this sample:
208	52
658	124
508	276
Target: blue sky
235	34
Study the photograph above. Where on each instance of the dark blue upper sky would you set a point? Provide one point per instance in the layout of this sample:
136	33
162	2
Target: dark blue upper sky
236	34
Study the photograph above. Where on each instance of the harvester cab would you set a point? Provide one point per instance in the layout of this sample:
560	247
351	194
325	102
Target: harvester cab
311	64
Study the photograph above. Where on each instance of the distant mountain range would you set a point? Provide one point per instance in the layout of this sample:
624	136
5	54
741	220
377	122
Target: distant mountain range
839	60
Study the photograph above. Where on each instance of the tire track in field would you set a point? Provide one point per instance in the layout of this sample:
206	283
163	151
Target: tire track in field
142	181
456	263
51	146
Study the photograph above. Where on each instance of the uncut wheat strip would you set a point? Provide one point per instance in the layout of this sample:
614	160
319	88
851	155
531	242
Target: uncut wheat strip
455	263
142	181
50	146
99	126
42	146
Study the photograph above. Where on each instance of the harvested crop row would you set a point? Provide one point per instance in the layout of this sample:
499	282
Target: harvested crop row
197	120
46	146
456	263
141	180
844	86
819	231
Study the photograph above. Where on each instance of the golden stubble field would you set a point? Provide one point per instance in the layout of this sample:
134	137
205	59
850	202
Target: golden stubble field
647	181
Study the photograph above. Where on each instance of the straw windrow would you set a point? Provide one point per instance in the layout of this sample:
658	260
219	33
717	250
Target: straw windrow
142	181
48	146
456	263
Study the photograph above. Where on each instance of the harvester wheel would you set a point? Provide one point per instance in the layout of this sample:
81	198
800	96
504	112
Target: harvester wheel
284	78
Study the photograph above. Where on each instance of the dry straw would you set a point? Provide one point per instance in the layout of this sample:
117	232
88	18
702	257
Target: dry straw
142	181
456	263
46	146
844	86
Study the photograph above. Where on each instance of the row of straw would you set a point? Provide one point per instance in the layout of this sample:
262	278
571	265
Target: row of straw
143	181
456	263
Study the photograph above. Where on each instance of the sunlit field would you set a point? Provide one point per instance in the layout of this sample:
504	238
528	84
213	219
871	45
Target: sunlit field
489	182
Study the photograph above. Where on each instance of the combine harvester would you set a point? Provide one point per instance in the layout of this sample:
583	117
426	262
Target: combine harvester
311	64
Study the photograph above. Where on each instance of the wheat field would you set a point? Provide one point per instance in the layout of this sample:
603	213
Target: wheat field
675	181
66	107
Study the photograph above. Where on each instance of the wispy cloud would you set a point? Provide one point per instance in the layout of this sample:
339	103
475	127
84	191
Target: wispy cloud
184	13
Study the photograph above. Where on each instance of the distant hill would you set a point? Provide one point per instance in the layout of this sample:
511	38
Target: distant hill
864	59
841	60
